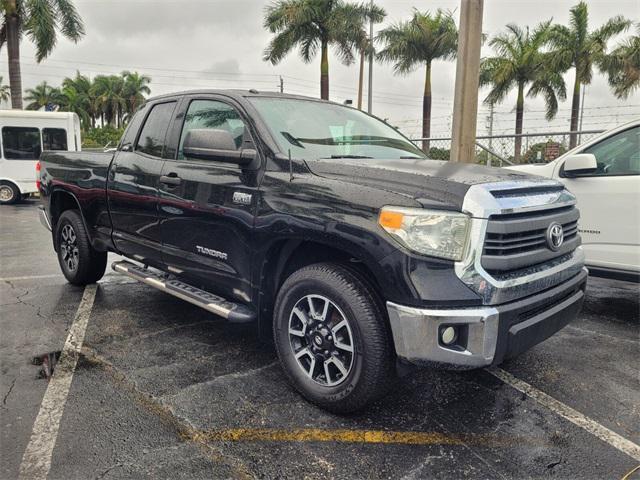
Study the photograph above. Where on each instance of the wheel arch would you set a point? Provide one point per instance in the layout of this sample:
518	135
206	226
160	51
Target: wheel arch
60	202
288	255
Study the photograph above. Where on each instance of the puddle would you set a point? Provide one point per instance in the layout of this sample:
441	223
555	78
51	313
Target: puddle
48	362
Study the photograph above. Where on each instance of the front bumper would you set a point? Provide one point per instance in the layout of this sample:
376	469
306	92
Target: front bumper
485	335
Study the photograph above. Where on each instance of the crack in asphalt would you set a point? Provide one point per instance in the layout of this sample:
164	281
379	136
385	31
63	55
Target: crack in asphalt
6	397
222	378
20	301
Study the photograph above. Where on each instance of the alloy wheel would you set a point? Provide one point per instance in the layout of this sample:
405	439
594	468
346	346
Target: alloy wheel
321	340
69	248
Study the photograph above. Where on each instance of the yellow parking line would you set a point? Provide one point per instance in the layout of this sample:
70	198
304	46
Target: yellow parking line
349	436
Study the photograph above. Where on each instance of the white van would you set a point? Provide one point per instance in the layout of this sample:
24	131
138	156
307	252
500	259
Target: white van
604	175
24	135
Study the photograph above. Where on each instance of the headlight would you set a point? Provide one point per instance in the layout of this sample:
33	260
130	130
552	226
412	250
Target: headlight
430	232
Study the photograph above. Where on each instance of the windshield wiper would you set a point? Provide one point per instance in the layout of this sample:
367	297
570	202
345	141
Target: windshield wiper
349	156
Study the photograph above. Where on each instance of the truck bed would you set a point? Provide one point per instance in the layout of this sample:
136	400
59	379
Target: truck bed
83	176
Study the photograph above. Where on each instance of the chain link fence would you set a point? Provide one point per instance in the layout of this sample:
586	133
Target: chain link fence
499	150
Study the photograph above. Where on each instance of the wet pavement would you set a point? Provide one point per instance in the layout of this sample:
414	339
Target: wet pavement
164	389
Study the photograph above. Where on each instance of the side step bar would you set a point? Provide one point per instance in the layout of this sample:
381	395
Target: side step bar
233	312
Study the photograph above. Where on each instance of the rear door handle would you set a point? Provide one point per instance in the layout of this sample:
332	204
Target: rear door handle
170	179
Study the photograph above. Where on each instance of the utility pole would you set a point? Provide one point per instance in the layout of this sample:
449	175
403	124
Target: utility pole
281	84
490	119
465	104
370	99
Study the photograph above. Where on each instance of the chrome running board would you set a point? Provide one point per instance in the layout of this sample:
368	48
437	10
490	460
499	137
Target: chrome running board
233	312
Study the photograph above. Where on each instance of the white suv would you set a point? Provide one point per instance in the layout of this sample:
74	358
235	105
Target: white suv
604	175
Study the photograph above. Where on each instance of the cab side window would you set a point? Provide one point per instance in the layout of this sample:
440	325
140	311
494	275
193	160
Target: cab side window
618	155
215	115
21	143
152	136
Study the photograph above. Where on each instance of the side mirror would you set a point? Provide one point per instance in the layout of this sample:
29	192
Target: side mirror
218	145
580	163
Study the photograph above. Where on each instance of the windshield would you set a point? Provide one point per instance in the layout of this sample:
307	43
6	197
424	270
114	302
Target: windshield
314	130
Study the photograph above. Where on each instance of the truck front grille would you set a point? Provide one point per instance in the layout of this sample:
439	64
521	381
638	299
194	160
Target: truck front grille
519	240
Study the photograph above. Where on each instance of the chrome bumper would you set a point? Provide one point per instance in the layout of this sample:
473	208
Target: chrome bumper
44	218
487	334
416	334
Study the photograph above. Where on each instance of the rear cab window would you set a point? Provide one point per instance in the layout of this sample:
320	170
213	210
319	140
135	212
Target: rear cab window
129	137
21	143
152	137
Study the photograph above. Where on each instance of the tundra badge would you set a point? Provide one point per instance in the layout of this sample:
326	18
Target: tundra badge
211	252
242	198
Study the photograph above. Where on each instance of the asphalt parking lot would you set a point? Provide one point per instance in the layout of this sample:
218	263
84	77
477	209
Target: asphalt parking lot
163	389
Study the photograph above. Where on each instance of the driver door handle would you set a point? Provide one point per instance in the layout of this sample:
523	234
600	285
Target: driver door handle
171	179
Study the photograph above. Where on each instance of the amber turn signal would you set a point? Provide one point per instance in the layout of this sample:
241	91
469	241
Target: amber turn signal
390	219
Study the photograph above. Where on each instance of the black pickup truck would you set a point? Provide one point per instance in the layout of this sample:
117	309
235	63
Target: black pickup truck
326	227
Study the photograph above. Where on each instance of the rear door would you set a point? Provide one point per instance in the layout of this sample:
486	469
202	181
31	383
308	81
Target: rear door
133	184
609	202
207	215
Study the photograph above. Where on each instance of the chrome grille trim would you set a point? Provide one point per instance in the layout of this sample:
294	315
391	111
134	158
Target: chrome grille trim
510	198
515	241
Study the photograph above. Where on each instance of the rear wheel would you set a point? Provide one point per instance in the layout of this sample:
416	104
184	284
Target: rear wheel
9	193
81	264
332	338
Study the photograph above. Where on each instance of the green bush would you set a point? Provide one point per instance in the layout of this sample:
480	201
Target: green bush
436	153
101	136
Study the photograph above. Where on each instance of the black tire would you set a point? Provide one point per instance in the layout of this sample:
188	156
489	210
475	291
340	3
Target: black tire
9	193
371	365
81	264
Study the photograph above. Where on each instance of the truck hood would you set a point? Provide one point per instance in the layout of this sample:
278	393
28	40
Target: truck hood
432	183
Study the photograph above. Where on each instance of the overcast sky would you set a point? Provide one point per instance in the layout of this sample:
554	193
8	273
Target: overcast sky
186	44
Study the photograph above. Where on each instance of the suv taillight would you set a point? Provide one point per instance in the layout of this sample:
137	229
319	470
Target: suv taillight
38	167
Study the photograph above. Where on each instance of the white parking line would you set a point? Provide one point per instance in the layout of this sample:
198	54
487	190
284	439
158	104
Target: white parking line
36	460
568	413
30	277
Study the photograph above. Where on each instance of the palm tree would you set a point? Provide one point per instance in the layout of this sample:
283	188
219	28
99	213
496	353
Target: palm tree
111	103
418	42
39	20
365	46
81	98
76	101
136	86
520	62
313	24
5	93
43	95
575	47
623	66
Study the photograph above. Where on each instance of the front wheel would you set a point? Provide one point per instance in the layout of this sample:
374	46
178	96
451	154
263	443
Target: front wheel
332	338
81	264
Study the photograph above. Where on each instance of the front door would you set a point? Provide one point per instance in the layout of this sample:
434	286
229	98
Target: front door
207	215
609	202
133	185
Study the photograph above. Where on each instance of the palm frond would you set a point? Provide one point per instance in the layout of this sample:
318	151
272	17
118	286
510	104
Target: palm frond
71	25
40	26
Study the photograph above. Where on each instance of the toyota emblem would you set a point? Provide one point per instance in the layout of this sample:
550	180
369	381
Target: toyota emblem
555	236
